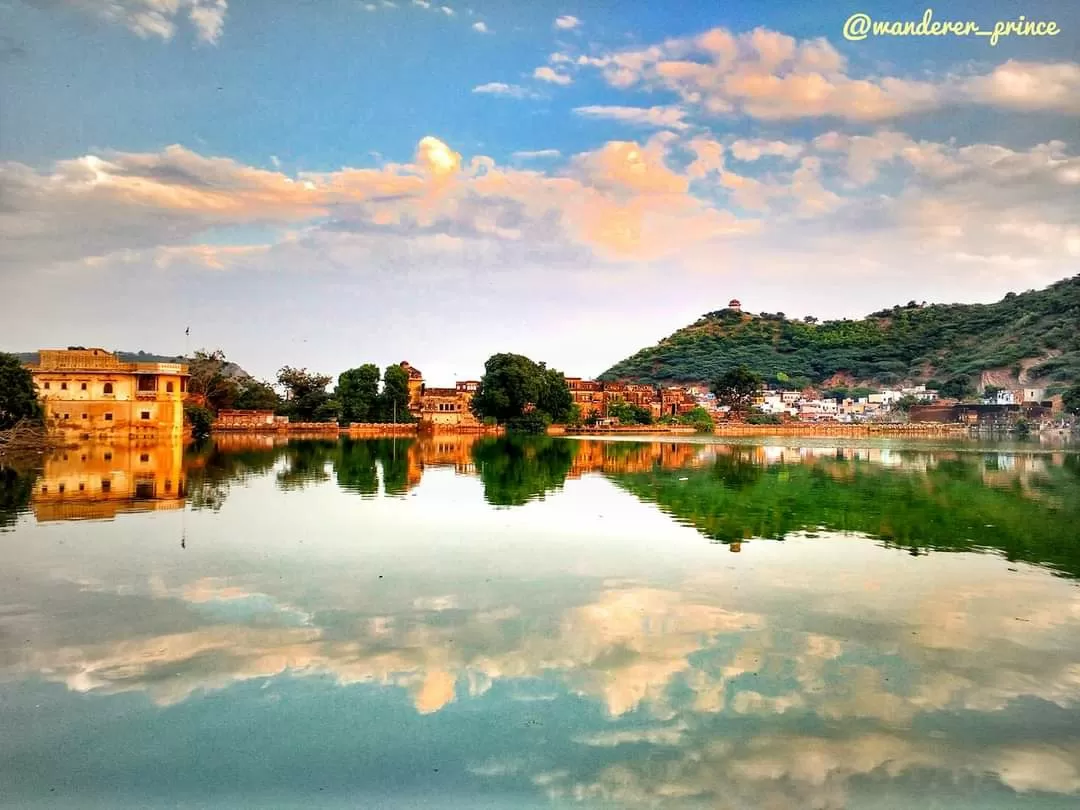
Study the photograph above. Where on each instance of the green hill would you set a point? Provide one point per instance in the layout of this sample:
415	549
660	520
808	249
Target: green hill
1031	337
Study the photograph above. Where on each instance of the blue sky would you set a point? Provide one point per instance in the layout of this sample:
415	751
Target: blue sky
158	153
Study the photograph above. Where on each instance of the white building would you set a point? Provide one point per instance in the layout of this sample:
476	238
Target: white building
1002	397
921	393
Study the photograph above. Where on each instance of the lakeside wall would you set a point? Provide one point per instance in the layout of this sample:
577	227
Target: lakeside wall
265	422
636	430
841	429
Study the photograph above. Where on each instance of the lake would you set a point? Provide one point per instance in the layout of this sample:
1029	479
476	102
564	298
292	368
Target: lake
457	622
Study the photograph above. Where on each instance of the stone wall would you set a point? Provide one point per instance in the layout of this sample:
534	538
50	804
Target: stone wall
381	428
842	429
249	420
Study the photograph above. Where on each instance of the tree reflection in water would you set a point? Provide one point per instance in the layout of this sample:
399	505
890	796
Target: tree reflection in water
1026	505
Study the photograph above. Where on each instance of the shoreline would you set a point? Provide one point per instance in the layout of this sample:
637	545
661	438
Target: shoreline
952	429
933	429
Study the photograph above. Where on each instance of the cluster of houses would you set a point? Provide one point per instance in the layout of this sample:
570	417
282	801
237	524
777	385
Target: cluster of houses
808	406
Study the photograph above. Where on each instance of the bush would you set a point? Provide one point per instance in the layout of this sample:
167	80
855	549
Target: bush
531	422
201	420
764	419
699	418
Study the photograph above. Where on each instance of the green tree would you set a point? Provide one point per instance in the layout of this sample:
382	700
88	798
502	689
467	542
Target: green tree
18	397
906	403
629	414
307	399
200	418
394	399
256	395
958	387
209	382
736	388
699	418
555	398
358	393
1071	399
510	383
521	393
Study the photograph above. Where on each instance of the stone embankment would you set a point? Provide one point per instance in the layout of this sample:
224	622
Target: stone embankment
635	430
380	429
837	429
265	422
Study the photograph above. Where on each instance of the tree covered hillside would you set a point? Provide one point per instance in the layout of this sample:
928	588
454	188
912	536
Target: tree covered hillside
1032	336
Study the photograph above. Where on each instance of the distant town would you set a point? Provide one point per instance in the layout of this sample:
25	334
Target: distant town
89	391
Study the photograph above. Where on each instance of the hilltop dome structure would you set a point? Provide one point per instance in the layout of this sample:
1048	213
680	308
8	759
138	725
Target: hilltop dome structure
734	304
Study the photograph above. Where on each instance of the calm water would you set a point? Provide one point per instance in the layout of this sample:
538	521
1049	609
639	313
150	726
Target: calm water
555	623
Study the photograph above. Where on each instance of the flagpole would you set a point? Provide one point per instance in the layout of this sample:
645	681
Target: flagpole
183	503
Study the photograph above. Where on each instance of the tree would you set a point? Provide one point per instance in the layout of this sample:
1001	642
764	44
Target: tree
307	399
18	397
555	398
958	387
906	403
1071	399
200	418
208	381
841	393
521	393
257	395
736	388
358	393
991	391
699	418
629	414
394	399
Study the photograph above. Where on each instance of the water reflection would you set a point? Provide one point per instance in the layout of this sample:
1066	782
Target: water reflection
328	640
1024	504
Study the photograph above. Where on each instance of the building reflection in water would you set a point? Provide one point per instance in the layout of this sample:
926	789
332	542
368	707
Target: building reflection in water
101	479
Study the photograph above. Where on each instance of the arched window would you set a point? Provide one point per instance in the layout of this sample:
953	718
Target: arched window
108	388
169	387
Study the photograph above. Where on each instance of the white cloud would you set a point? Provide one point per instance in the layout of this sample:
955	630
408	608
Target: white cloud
771	76
756	148
1028	86
664	117
157	18
481	27
981	212
447	10
537	154
503	89
546	74
567	22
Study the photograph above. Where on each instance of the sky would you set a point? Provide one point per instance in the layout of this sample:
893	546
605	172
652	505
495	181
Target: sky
324	183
